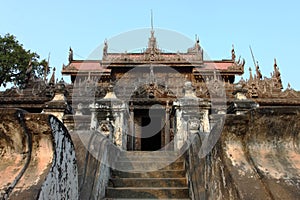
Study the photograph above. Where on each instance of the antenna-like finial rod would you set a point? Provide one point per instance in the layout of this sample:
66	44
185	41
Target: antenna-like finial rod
252	56
151	20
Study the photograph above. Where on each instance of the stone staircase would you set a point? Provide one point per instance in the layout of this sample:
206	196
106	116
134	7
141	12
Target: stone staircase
148	175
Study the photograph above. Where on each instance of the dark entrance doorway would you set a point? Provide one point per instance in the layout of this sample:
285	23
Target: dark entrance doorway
151	133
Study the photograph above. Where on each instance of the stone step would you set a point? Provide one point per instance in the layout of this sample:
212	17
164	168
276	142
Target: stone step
148	193
149	158
148	175
142	199
148	153
149	166
148	182
154	174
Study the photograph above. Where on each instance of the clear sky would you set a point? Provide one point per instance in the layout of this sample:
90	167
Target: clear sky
272	28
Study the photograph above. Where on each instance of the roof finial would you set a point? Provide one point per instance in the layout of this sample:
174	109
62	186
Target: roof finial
105	47
70	55
52	79
252	56
250	73
258	72
233	53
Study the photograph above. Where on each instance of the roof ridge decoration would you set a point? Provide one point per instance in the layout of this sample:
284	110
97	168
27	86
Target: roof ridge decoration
196	50
152	52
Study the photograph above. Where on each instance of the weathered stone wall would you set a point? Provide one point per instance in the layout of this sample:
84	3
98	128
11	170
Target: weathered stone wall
37	157
95	153
256	157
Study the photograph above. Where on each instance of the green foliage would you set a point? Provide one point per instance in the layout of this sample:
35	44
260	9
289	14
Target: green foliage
15	60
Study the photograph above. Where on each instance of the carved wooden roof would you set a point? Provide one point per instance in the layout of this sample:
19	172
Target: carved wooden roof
193	57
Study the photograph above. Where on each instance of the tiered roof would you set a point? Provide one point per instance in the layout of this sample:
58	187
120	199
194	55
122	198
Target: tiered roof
154	56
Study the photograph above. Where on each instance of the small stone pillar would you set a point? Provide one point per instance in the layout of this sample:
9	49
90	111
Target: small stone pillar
132	127
191	116
167	124
120	114
58	106
94	107
110	110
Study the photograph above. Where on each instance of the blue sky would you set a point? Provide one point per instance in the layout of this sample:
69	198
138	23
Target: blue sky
272	29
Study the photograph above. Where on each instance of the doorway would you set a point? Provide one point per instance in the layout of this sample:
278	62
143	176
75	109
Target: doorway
151	133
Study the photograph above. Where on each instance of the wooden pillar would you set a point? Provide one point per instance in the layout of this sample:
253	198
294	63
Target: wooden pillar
167	124
132	127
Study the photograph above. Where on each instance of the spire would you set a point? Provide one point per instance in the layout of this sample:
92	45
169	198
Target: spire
152	21
275	64
152	52
152	48
52	79
276	69
152	39
250	72
276	74
46	68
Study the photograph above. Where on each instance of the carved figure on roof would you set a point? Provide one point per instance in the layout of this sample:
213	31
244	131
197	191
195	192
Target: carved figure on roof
197	45
196	48
70	54
233	53
105	48
276	75
276	69
258	73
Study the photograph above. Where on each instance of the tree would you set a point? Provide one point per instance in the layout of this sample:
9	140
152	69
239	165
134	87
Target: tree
15	61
